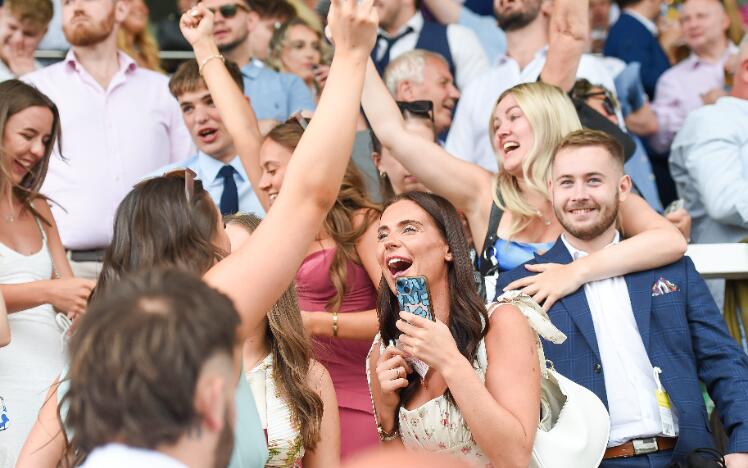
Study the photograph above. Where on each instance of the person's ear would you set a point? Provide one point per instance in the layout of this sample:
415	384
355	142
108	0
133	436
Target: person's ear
121	10
211	402
448	254
624	187
404	91
253	19
546	8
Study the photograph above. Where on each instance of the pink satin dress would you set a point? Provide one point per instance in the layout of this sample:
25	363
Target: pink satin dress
344	359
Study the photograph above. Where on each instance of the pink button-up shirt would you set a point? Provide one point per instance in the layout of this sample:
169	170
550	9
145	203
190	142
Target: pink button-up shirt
111	138
679	92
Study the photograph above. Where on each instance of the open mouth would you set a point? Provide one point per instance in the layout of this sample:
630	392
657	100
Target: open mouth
208	135
398	266
510	146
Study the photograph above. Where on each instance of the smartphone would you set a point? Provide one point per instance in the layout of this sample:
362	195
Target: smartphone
414	296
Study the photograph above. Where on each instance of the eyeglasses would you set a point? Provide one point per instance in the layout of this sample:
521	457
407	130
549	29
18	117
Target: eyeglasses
423	109
229	10
299	119
190	181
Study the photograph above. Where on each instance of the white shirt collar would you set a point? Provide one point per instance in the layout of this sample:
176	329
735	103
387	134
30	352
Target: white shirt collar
576	253
731	49
648	23
541	53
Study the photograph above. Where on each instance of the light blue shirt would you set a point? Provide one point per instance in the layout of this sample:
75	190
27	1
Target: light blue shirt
207	169
275	95
709	163
490	35
639	169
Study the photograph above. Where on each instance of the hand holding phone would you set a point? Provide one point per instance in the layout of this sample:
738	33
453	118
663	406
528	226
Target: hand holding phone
413	296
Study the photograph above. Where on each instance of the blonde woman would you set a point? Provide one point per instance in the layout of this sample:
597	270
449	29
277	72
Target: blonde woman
510	215
136	40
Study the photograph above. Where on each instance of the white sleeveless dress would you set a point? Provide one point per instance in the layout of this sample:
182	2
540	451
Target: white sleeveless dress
285	446
35	355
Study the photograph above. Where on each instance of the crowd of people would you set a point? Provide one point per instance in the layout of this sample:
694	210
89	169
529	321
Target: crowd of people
205	267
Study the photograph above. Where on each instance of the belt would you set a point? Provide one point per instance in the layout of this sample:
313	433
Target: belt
93	255
636	447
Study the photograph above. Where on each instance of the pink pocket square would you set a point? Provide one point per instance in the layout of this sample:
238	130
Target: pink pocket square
663	286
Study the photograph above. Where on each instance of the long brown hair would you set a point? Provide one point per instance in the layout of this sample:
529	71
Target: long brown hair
339	224
157	226
468	319
142	47
291	355
16	96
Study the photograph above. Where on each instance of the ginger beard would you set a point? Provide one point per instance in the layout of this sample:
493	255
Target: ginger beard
87	33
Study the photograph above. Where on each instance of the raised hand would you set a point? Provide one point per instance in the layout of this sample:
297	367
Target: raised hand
196	24
353	26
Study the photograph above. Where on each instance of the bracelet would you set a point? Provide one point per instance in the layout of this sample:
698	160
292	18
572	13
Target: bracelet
205	62
335	323
385	436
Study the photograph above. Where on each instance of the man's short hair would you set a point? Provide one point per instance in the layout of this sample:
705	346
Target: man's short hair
37	13
586	137
276	9
137	355
408	66
627	3
187	78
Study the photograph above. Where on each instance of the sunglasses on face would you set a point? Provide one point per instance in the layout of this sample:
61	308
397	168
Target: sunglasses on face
423	109
609	102
229	10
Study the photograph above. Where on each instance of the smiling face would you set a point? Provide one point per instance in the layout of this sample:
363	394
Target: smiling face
137	20
704	23
438	87
19	35
399	177
274	159
513	136
587	185
411	244
301	52
232	30
206	127
25	140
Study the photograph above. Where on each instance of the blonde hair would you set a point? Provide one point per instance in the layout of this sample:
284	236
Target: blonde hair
552	116
142	47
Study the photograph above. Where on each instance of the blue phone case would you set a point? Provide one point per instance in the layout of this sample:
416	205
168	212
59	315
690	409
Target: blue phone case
413	296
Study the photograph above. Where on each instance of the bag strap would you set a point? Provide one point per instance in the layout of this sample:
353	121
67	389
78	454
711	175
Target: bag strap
484	264
538	320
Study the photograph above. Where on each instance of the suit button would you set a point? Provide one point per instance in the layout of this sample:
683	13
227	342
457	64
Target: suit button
597	368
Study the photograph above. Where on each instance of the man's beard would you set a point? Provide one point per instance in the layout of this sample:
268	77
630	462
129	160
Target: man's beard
607	216
223	48
517	20
225	445
83	35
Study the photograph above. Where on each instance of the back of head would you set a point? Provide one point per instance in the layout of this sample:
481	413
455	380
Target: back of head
408	66
279	10
187	78
152	329
157	226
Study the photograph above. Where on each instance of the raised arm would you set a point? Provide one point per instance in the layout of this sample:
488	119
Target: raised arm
257	274
467	187
445	11
567	41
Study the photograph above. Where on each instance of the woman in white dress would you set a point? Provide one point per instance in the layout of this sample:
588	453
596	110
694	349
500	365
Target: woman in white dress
480	399
35	277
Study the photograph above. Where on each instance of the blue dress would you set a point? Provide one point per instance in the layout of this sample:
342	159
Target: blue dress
504	255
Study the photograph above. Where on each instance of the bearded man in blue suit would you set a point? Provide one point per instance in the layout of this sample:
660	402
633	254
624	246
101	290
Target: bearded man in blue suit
632	336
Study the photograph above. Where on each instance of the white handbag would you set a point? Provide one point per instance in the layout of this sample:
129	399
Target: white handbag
574	424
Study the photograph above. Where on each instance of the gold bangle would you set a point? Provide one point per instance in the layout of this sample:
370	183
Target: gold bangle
205	62
387	436
335	323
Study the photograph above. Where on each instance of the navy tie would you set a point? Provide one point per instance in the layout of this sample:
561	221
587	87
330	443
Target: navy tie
230	195
381	64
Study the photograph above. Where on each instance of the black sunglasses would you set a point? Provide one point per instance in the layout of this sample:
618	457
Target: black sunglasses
423	109
229	10
609	102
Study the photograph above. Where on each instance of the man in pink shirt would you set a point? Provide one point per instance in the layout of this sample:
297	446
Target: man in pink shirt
698	80
119	123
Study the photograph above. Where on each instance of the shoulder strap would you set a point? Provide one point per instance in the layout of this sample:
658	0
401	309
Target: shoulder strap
493	226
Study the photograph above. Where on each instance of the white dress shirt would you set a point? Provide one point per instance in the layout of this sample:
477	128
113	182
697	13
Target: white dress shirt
122	456
468	138
467	54
629	376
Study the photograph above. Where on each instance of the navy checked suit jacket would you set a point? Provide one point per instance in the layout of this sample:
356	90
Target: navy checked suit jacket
684	334
630	41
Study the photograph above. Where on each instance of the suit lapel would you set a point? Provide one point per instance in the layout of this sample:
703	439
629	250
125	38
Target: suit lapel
640	291
576	303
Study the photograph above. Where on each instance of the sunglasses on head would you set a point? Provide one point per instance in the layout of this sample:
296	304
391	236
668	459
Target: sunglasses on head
423	109
190	181
229	10
299	119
